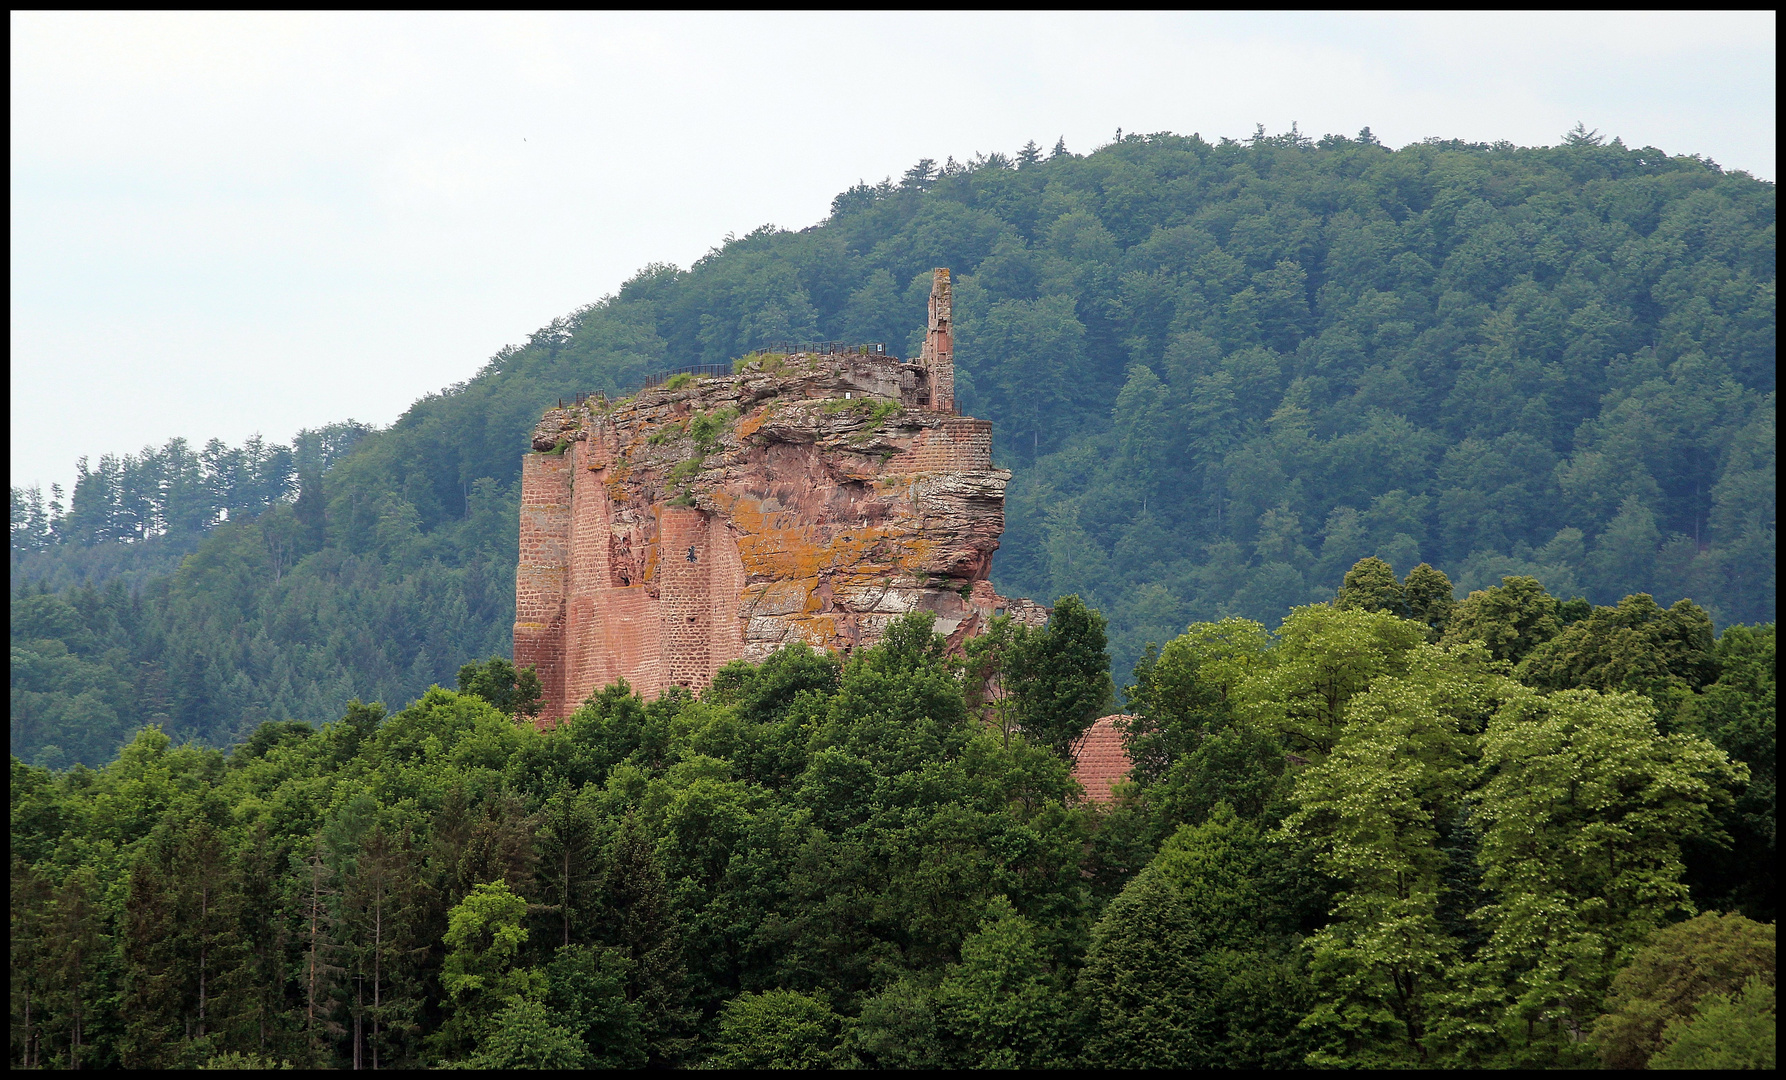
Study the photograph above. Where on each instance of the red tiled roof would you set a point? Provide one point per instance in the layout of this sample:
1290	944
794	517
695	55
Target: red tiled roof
1099	759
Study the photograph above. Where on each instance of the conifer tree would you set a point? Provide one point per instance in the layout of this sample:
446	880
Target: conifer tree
209	919
319	941
378	908
649	933
500	846
258	983
153	998
75	940
567	847
1151	992
1002	1002
29	960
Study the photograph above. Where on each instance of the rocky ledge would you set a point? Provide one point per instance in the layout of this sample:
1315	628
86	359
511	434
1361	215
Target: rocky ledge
848	507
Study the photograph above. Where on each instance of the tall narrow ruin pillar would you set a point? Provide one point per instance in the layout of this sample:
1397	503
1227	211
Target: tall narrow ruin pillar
542	574
939	344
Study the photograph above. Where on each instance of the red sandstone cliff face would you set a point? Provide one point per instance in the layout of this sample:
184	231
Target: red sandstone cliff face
819	509
815	499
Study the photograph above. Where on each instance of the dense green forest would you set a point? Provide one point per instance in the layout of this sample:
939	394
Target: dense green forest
1221	372
1397	831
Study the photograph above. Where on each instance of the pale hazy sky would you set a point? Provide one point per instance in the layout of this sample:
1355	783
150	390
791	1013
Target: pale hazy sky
224	223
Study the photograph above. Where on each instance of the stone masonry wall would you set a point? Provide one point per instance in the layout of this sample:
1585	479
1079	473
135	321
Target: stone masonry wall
939	344
543	569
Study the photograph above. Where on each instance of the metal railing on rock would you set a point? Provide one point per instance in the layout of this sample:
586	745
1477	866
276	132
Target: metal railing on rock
699	371
827	348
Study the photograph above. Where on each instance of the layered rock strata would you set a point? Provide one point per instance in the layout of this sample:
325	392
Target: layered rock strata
809	498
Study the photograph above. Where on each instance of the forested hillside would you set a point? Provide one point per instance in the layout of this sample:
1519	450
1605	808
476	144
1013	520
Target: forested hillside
1222	373
1395	832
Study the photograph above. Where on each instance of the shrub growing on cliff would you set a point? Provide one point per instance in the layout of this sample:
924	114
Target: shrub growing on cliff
706	428
768	362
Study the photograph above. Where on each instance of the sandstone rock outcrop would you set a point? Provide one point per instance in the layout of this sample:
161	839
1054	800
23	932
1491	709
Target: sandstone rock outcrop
808	497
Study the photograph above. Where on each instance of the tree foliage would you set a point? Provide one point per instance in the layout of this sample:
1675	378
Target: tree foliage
1343	844
1669	977
1221	372
1240	385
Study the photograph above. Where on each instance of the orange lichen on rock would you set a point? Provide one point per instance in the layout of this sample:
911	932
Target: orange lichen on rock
836	500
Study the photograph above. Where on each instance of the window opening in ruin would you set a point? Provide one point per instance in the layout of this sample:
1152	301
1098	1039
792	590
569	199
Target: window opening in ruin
691	553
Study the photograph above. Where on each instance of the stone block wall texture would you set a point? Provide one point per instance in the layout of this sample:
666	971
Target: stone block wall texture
833	497
1099	760
939	343
542	573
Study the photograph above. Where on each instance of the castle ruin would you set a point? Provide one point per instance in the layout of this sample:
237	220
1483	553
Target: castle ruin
813	495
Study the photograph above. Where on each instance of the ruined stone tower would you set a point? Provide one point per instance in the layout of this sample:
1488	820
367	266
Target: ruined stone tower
811	496
938	357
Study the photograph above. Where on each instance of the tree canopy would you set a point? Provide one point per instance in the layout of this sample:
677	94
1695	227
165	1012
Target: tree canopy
1343	844
1222	372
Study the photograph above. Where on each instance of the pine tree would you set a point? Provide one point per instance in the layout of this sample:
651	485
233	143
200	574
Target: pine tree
258	983
152	994
567	842
209	911
500	847
75	941
651	938
919	176
317	935
379	907
30	903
